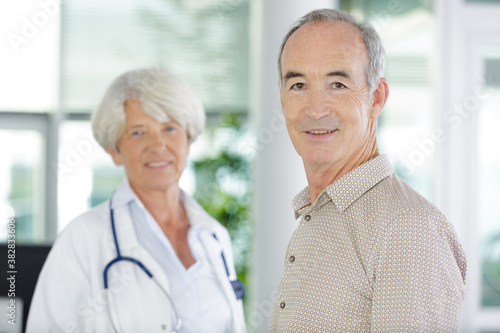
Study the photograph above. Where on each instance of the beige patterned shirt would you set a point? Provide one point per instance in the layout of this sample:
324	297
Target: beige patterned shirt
371	255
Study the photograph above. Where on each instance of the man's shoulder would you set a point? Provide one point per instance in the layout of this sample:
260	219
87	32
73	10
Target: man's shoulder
404	209
404	197
414	219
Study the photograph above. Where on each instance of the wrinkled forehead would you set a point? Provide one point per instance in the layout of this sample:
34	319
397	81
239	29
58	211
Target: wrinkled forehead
325	42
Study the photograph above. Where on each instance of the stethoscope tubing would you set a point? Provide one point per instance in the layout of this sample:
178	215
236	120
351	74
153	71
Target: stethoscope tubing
237	285
118	258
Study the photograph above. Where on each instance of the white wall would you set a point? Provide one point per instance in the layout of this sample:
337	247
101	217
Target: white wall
279	171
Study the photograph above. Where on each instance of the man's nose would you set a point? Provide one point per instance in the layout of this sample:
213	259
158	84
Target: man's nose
318	106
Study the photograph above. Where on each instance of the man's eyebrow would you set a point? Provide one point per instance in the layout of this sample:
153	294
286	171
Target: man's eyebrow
340	73
291	75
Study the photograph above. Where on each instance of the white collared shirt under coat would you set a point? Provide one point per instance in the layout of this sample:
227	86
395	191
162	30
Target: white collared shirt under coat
70	294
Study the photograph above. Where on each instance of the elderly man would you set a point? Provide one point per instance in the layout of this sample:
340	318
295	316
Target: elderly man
370	253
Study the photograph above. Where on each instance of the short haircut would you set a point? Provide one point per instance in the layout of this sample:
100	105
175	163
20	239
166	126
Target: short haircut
163	96
374	47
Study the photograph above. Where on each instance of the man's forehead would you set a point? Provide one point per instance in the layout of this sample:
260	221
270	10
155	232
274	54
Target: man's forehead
341	35
329	42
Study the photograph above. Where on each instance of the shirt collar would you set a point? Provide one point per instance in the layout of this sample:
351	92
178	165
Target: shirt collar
344	191
124	194
196	215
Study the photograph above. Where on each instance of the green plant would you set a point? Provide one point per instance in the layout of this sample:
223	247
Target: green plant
223	184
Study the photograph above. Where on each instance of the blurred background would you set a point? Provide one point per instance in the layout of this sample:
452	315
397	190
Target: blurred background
439	127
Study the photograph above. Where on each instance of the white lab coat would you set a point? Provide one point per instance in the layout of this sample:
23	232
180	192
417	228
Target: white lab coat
70	294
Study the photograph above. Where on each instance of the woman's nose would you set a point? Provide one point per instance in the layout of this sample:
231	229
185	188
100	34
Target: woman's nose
158	141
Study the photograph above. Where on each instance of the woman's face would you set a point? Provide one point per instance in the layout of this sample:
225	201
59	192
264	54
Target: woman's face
154	154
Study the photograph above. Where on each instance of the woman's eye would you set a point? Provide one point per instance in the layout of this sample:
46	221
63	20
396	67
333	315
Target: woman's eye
137	133
170	128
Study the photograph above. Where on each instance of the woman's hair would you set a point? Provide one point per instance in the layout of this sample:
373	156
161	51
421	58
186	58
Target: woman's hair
374	47
163	96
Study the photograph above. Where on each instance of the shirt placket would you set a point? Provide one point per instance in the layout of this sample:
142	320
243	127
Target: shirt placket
291	260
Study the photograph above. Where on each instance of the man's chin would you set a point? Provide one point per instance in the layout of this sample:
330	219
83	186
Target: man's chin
320	157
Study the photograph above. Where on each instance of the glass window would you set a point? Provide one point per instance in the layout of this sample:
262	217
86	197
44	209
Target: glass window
203	42
489	179
483	1
63	55
29	44
87	175
407	125
22	190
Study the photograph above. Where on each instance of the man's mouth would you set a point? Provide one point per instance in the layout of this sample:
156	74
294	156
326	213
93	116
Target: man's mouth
318	132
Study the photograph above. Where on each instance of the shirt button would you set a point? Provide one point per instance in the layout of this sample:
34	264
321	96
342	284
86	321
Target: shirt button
307	217
282	305
193	323
292	258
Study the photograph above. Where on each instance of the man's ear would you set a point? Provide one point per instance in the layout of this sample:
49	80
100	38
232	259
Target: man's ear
115	155
379	97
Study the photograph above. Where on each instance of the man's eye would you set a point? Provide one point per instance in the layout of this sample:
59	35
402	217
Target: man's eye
170	128
338	85
298	86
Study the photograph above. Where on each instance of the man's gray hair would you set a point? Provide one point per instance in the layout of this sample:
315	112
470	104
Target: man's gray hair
163	96
374	47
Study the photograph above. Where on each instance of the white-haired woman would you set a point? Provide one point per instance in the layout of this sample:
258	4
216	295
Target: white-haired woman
150	259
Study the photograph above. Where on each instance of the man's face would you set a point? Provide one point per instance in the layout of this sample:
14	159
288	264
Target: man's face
324	93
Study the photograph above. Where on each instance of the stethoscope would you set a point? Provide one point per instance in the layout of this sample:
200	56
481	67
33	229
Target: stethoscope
237	285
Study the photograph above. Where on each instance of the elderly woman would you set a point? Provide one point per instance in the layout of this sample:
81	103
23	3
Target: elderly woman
150	259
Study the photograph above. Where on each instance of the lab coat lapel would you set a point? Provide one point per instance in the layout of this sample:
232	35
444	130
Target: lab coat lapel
214	251
125	232
213	248
129	245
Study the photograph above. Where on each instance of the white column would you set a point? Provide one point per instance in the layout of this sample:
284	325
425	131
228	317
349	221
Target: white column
279	173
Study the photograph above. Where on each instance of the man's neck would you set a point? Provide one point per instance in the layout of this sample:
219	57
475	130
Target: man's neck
321	176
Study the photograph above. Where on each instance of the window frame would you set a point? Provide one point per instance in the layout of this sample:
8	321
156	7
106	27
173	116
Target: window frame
47	126
463	28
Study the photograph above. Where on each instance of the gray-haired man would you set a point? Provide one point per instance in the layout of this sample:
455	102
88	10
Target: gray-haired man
370	253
